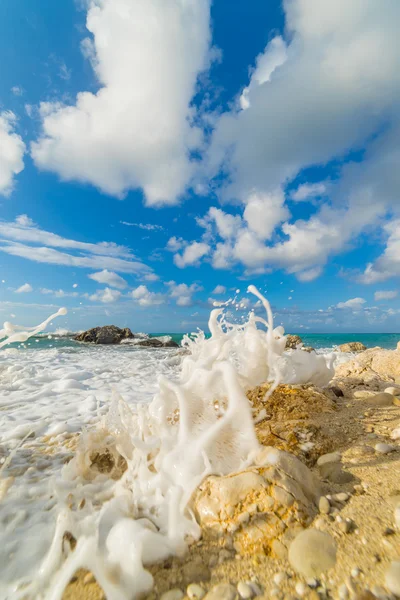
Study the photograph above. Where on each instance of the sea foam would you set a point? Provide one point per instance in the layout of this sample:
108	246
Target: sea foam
133	511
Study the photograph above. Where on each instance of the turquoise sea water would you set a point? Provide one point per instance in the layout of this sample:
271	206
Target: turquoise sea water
318	341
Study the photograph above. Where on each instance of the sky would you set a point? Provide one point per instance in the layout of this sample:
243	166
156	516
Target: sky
157	156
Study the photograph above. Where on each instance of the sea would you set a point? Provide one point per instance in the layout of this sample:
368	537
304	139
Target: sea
53	389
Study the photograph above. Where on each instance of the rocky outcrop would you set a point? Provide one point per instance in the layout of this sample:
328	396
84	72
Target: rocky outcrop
374	363
262	507
352	347
108	334
292	341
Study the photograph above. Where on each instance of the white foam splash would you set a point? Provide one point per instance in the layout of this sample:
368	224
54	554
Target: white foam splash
199	425
17	333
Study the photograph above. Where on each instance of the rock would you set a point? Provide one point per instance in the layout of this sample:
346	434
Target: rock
384	448
395	391
332	457
312	553
333	472
382	399
222	591
284	490
245	590
341	497
292	341
372	365
352	347
364	394
397	516
392	578
324	505
108	334
195	592
395	435
175	594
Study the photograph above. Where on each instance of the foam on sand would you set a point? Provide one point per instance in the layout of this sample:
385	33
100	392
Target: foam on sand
135	511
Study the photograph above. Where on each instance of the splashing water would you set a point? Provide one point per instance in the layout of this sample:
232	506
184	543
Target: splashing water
136	511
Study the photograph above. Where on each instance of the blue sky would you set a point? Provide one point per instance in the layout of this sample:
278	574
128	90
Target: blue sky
158	155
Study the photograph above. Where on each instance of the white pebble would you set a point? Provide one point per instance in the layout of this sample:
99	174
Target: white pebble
384	448
355	572
245	590
393	390
195	592
301	589
395	435
279	578
397	516
341	497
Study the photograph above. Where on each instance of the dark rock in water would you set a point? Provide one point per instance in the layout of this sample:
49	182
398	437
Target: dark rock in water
352	347
108	334
156	343
292	341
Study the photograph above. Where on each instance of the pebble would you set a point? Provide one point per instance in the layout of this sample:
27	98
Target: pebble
383	448
341	497
245	590
300	589
279	578
396	401
393	390
397	516
395	435
346	526
195	592
392	578
312	552
381	399
324	505
363	394
175	594
332	457
222	591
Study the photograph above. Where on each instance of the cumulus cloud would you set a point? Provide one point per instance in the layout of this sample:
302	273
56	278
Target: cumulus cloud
107	296
138	130
12	150
24	289
183	293
109	278
191	254
385	295
353	303
174	244
388	264
144	297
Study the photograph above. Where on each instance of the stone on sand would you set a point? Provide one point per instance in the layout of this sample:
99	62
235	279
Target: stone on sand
392	578
312	552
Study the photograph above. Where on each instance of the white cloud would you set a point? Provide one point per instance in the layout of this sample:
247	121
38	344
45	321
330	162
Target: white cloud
24	289
109	278
385	295
17	90
145	226
353	303
264	211
219	289
151	277
191	254
388	264
174	244
137	130
183	293
59	293
12	150
308	191
103	255
146	298
106	296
